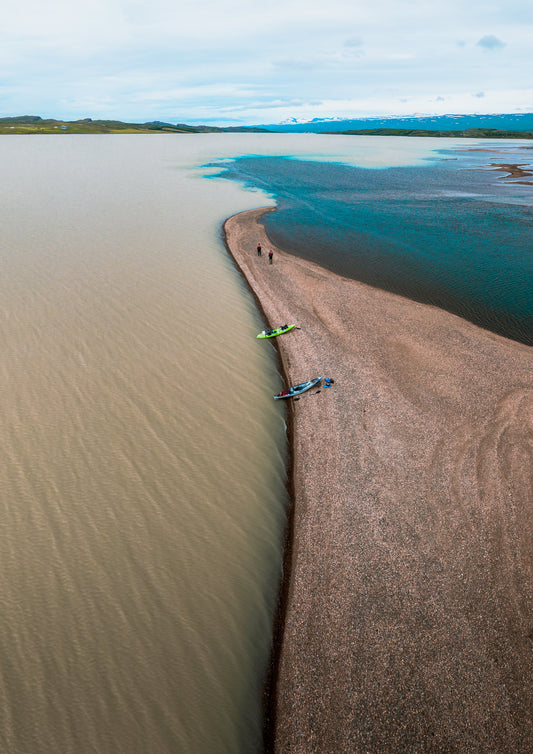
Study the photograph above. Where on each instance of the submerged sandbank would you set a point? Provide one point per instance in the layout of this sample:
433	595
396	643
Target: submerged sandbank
408	610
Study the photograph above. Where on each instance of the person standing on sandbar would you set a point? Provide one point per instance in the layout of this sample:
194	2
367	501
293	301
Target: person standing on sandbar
270	256
258	249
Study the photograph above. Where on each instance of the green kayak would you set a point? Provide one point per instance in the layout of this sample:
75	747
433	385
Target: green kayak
275	331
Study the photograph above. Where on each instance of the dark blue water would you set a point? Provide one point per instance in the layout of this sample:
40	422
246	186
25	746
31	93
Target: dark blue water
450	233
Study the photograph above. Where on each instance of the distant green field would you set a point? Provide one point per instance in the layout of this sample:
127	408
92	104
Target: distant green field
33	124
467	133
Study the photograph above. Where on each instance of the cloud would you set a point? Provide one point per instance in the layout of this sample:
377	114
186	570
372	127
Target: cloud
354	42
292	64
490	42
131	59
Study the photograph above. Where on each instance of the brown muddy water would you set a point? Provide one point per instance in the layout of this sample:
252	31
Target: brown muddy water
142	482
142	485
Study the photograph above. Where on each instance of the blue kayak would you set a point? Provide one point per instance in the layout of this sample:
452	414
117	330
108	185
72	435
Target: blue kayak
291	392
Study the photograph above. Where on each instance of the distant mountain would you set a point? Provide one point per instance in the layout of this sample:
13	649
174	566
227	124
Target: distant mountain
503	122
472	126
34	124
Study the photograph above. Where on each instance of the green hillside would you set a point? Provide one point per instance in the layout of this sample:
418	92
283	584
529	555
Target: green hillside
467	133
33	124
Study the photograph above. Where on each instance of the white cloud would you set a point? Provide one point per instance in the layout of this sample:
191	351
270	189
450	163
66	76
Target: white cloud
490	42
354	42
143	60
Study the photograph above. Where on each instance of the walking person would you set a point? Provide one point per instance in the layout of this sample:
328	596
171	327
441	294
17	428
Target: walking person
258	249
270	256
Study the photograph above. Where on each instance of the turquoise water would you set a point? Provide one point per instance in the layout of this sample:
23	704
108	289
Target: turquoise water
448	231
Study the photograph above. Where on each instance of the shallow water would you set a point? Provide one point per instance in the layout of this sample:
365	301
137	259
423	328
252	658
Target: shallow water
142	499
451	232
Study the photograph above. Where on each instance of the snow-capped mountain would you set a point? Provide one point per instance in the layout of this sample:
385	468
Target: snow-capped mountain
451	122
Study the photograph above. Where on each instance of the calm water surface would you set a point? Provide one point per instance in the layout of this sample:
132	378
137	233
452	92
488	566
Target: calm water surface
451	232
142	492
142	488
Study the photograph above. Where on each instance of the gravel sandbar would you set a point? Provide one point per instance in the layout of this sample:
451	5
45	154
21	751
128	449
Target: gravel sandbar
407	609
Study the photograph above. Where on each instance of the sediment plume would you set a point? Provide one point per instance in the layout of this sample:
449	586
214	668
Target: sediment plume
407	610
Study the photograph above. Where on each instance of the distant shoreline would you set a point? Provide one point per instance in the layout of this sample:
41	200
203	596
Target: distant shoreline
34	124
405	612
467	133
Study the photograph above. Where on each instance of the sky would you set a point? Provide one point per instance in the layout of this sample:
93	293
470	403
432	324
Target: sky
244	62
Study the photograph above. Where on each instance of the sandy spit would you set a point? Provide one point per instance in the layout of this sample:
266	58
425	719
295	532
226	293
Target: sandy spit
407	612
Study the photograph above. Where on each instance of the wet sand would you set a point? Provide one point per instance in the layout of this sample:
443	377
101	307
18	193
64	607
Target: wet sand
513	170
407	608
